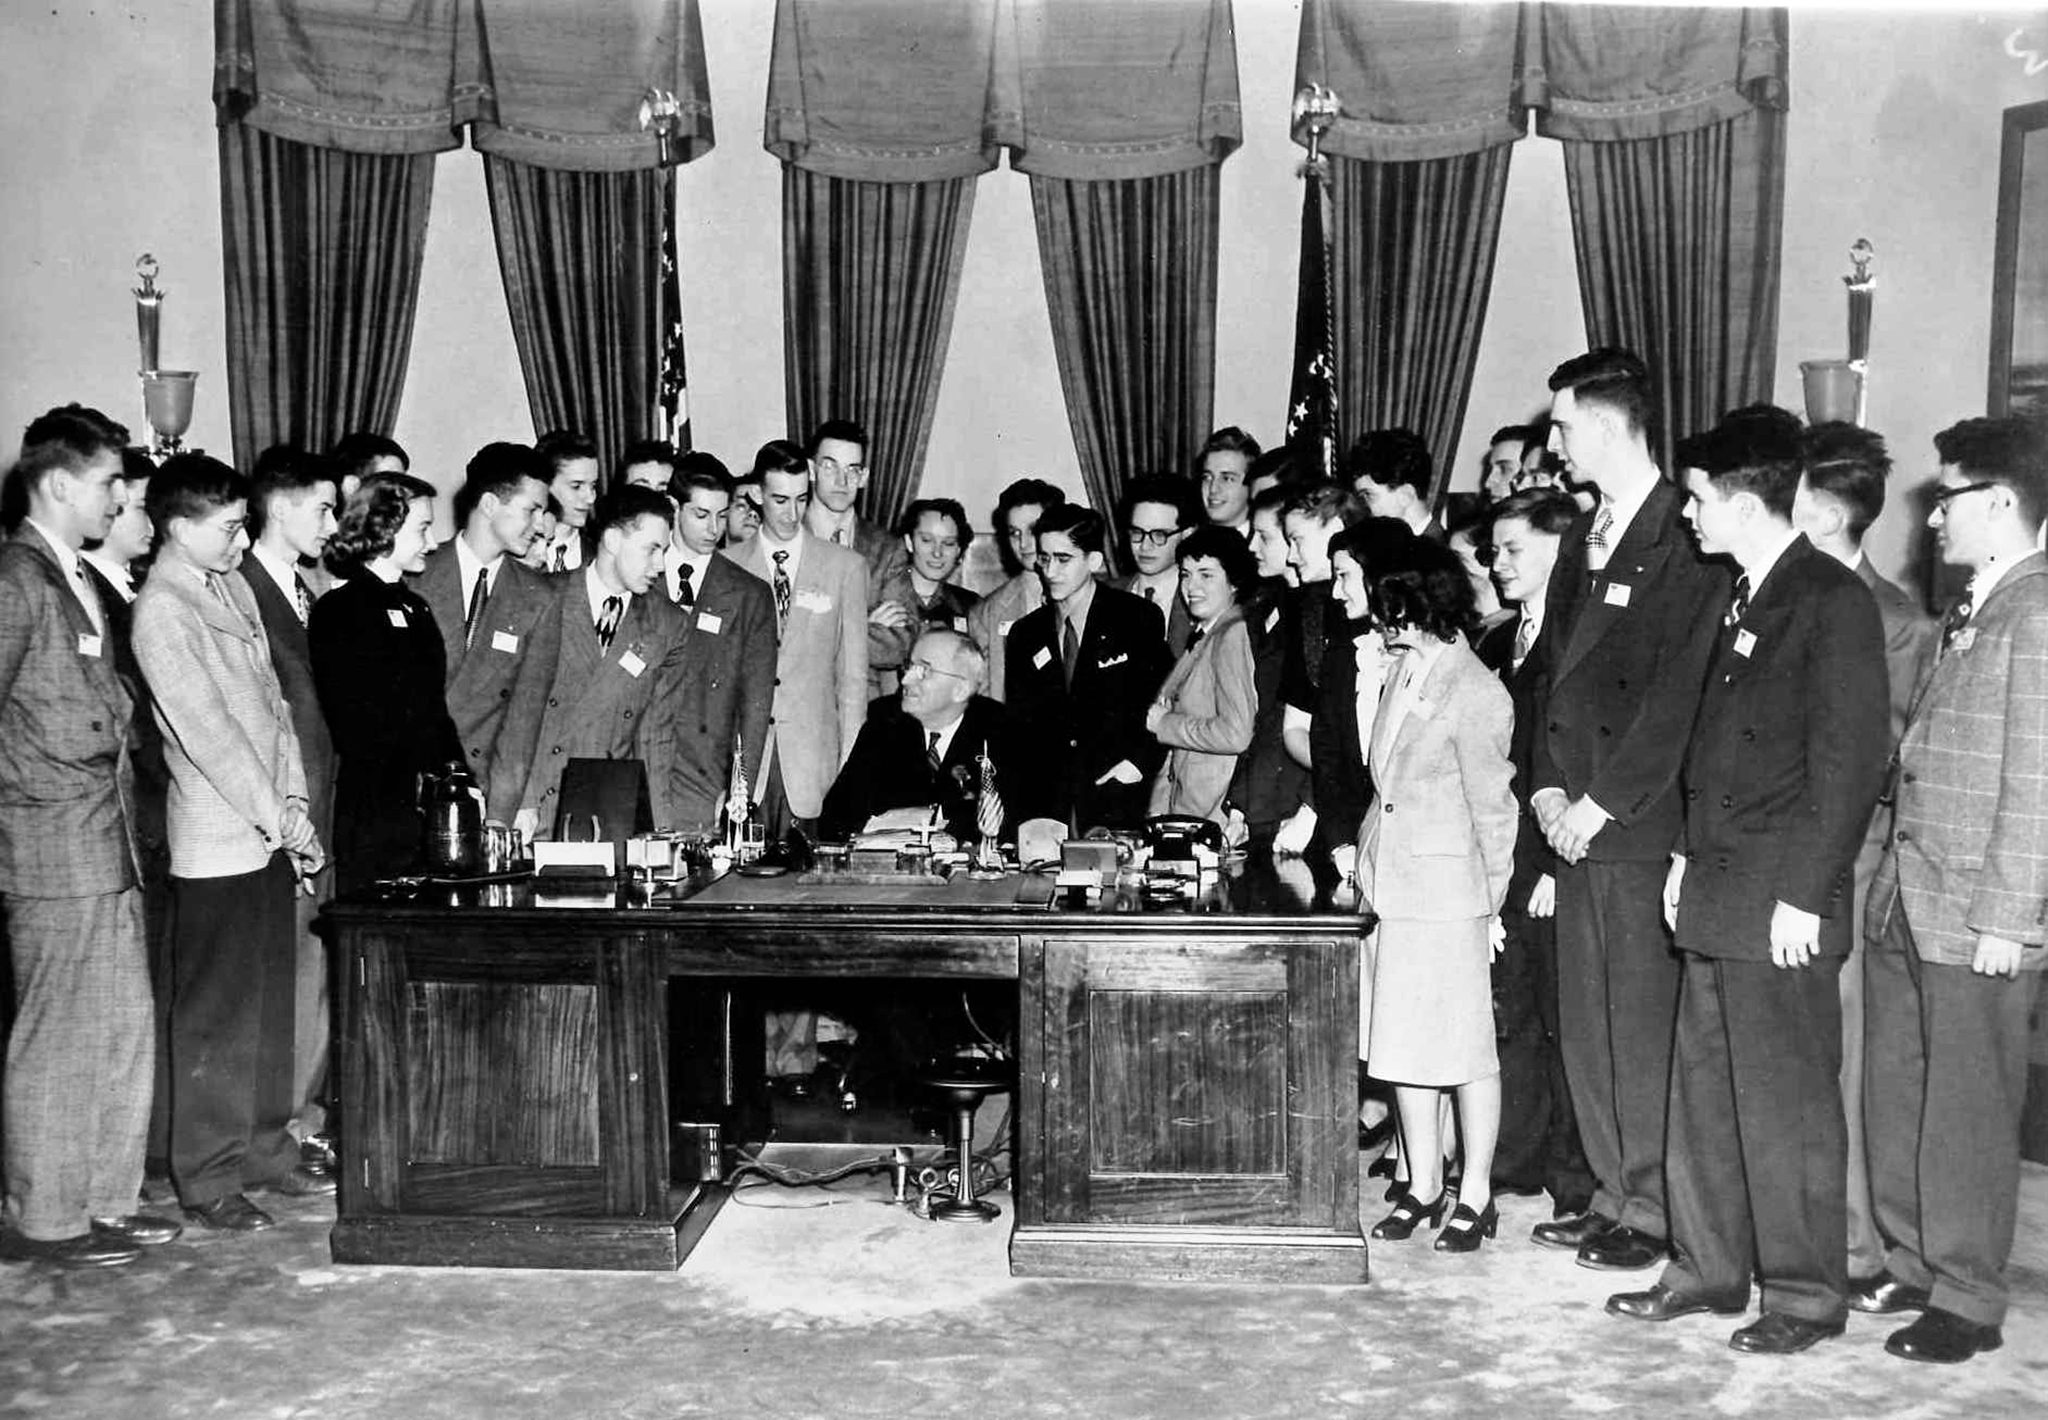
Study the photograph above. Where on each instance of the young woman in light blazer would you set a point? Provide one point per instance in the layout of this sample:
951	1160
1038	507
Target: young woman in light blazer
1434	857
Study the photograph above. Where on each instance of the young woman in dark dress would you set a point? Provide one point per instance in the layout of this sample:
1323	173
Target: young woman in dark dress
379	666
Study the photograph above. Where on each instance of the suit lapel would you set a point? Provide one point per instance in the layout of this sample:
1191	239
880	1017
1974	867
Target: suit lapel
581	655
1606	596
439	587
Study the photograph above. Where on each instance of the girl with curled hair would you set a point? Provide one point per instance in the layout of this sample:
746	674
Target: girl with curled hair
379	666
1434	857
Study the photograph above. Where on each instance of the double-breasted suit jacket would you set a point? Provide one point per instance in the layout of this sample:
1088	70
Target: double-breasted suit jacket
601	703
516	637
1211	699
821	669
291	655
1786	760
1074	735
67	808
728	688
891	769
1633	644
1969	852
1438	842
1180	623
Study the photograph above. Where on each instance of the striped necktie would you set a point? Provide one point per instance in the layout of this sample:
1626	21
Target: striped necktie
608	624
782	590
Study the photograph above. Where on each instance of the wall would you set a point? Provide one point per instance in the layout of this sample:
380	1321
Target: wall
109	152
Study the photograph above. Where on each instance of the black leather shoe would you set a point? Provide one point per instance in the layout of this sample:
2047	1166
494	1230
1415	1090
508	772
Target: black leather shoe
1621	1249
1661	1303
302	1182
1943	1338
1776	1334
138	1229
1409	1211
90	1249
1884	1294
1570	1232
1466	1228
231	1214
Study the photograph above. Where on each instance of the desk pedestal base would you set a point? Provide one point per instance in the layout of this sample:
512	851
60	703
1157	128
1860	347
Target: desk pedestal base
657	1244
1111	1252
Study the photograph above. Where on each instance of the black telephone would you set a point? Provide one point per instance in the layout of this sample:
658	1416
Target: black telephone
1173	837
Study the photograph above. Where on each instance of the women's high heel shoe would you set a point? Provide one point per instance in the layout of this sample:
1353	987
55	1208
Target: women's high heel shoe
1466	1228
1409	1211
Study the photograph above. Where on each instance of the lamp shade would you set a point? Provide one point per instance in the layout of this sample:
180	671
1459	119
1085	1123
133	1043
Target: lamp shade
1831	388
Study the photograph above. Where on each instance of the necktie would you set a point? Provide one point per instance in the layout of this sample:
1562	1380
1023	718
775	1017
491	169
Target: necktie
479	594
561	557
685	594
1952	625
782	590
839	537
1525	637
608	624
1597	535
1070	651
931	755
1738	605
1195	637
90	599
302	599
1151	596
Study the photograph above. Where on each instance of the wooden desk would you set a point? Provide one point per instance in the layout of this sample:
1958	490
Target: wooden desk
1186	1095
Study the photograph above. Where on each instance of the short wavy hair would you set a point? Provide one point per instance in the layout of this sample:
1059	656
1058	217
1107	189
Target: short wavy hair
370	522
1422	584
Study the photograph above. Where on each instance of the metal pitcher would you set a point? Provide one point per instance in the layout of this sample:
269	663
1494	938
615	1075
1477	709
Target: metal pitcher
452	821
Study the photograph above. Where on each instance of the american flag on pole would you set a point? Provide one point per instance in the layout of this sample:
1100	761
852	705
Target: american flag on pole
673	416
1312	399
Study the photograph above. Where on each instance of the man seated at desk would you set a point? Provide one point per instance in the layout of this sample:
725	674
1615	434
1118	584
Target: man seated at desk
923	745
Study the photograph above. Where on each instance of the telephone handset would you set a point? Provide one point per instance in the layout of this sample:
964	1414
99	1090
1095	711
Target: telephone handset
1174	837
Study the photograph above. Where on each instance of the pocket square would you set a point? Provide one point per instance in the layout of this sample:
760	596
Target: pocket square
1112	661
814	601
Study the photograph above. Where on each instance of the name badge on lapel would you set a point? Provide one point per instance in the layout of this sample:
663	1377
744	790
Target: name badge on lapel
632	665
504	641
709	622
1004	629
1042	659
1745	642
1965	639
1272	618
397	618
88	645
1616	594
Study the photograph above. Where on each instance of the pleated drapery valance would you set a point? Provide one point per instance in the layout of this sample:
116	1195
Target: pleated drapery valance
883	91
555	86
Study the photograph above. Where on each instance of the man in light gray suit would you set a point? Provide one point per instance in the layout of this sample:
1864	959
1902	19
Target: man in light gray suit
821	598
80	1054
292	503
242	837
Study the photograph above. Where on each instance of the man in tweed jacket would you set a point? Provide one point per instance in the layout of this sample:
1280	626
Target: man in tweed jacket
241	836
79	1057
1959	912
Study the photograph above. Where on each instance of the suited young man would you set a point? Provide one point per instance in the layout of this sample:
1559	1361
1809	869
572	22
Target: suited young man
1955	951
242	837
292	501
618	669
77	1087
1083	669
1155	516
1018	509
1317	633
1223	480
1840	496
498	618
110	564
1391	469
1637	612
924	745
821	671
573	482
1268	785
838	456
729	646
1785	764
1539	1136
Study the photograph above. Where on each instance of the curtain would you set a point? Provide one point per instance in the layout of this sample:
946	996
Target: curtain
1130	280
871	274
1678	242
1413	255
580	254
322	251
